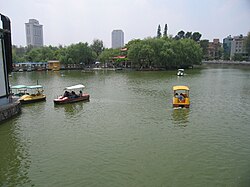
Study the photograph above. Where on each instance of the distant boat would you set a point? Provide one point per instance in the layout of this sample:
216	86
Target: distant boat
180	72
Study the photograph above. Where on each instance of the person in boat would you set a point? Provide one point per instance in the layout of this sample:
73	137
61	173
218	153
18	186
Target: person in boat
181	97
73	95
176	95
66	94
80	93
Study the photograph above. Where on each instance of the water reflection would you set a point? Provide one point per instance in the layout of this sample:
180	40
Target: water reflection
71	109
14	156
180	116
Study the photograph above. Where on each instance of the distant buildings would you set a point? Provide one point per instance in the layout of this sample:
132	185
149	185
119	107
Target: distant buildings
34	33
238	49
214	49
117	39
233	48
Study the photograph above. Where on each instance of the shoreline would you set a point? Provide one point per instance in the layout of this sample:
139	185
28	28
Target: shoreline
227	62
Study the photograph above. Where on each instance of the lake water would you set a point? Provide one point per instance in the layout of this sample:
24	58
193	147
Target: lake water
128	134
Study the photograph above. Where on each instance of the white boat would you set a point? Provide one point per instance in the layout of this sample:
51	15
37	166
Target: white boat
180	72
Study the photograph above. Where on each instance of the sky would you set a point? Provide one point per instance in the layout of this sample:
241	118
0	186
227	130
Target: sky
68	22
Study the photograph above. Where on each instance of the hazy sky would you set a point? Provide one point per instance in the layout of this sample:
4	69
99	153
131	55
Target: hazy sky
72	21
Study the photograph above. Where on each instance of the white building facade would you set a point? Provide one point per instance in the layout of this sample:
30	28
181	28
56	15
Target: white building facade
117	39
237	47
34	33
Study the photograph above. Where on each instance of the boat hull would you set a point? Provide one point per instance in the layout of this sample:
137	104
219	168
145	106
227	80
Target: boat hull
65	100
32	99
181	105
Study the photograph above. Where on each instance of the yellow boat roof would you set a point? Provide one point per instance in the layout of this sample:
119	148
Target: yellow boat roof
180	88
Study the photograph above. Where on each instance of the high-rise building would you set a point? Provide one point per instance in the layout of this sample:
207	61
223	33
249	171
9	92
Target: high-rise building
34	33
117	39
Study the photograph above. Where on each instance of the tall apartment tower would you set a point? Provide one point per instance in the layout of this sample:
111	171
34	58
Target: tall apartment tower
117	39
34	33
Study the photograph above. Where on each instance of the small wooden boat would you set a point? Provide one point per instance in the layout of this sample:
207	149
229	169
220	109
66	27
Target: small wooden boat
181	97
70	95
35	94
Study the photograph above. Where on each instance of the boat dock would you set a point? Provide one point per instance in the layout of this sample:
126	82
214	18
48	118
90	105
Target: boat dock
10	109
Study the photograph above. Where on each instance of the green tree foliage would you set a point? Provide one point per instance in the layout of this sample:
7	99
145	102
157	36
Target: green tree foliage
247	43
188	35
159	31
97	46
204	46
238	57
181	35
164	53
196	36
42	54
108	54
79	53
165	33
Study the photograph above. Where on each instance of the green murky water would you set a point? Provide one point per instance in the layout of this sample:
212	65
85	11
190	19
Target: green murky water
129	134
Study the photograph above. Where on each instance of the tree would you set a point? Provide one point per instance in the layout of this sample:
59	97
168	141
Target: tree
165	52
196	36
80	53
204	46
159	31
97	46
247	44
188	35
165	34
180	35
146	54
108	54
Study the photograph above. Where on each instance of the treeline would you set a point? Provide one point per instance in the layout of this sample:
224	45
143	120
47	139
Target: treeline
158	52
80	53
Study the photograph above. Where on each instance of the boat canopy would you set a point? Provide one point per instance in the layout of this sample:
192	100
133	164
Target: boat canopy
78	86
18	87
35	87
180	88
180	69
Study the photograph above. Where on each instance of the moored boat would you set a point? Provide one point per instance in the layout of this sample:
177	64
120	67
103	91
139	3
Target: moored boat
35	94
70	95
181	97
18	90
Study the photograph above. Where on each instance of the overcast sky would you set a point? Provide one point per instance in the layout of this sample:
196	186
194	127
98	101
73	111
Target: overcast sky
72	21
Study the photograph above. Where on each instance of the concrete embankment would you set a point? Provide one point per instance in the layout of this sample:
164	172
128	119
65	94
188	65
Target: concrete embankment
9	110
226	62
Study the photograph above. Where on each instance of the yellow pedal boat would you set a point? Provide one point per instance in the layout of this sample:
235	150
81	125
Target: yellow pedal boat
35	95
181	97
